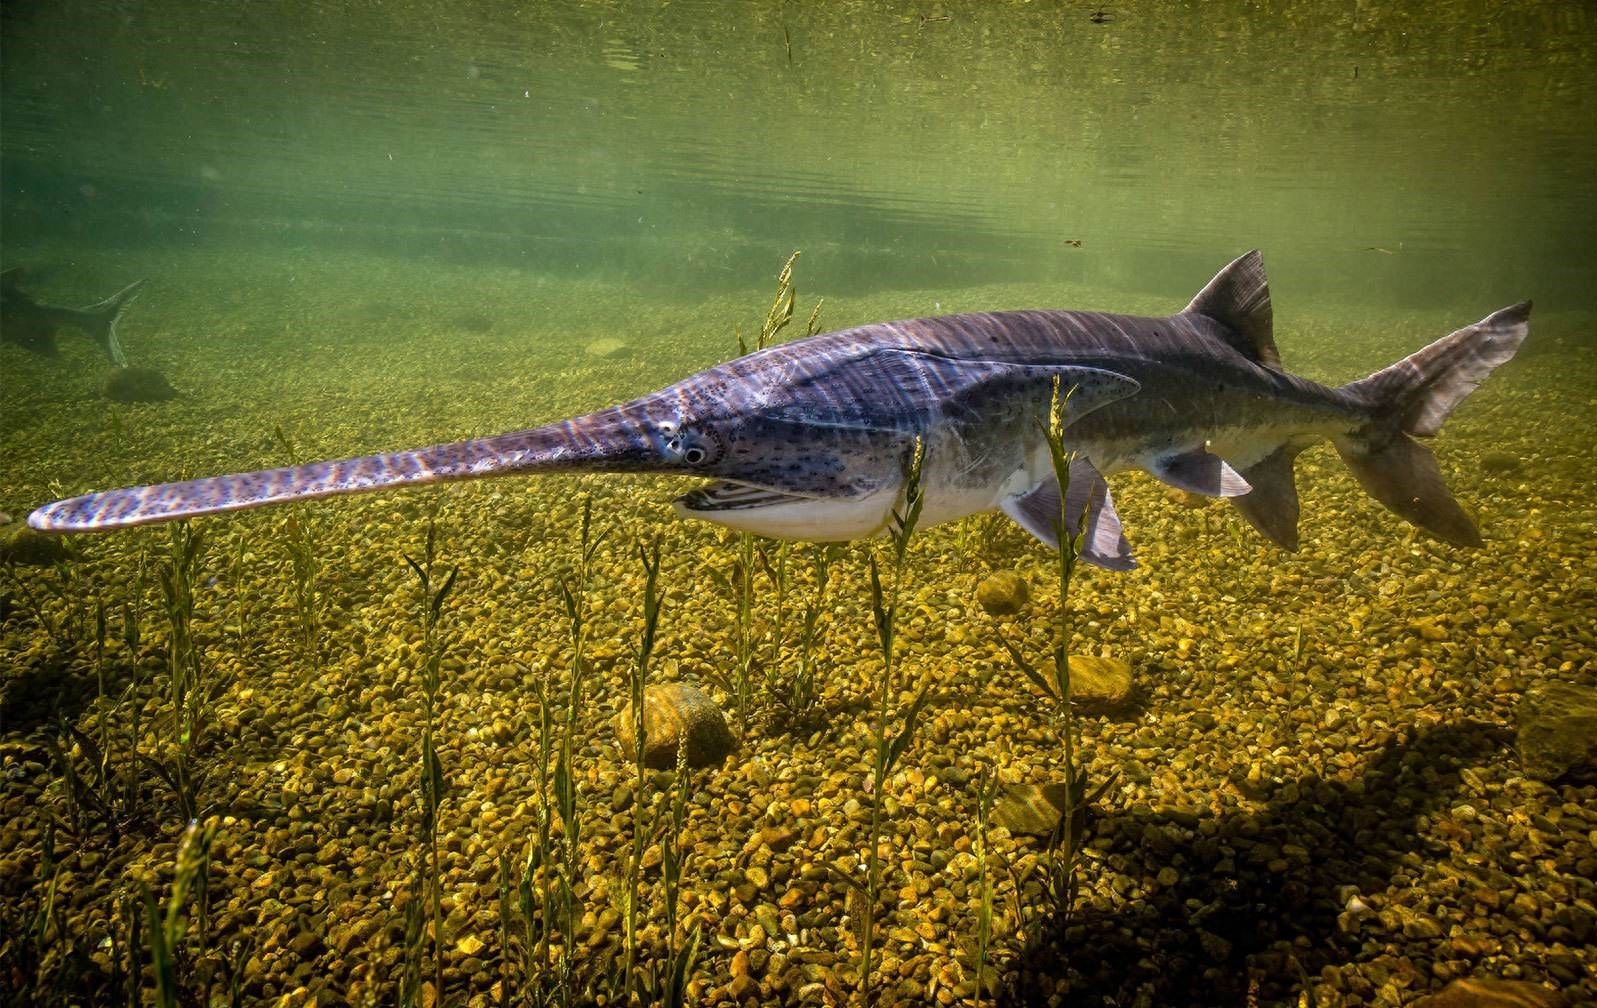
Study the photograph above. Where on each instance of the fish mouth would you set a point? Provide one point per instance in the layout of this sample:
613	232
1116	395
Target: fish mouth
730	497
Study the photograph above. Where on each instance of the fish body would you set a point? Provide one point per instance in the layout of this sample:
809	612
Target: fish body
32	325
811	439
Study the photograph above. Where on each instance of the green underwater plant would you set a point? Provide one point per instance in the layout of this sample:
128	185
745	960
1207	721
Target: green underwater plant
434	592
574	595
52	593
1061	880
797	691
97	767
177	578
190	695
547	886
171	942
662	979
986	792
633	884
668	979
537	888
888	743
753	553
299	541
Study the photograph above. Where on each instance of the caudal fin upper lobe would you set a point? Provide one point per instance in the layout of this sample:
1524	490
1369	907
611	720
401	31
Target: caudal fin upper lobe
1411	399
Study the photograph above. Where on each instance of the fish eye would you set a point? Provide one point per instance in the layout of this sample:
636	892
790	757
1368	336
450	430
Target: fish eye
689	445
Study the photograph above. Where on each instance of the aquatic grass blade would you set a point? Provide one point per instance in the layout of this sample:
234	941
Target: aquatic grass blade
1047	687
906	731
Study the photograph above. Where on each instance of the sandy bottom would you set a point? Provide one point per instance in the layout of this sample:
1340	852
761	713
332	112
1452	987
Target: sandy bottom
1317	780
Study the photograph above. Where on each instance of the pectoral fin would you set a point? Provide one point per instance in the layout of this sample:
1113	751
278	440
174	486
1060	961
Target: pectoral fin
1199	472
1037	511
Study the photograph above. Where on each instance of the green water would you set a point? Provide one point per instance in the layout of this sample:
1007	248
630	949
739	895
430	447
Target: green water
687	144
370	227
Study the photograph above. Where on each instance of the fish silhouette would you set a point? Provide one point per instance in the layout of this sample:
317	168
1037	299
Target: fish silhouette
32	325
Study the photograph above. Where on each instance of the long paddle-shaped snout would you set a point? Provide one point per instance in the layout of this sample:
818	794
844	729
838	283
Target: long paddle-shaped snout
618	439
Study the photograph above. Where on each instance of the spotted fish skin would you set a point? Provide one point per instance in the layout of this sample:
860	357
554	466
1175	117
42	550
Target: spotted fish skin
810	439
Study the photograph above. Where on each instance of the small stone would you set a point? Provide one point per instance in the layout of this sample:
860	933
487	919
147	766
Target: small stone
1002	593
306	944
1500	463
1215	947
1186	498
621	797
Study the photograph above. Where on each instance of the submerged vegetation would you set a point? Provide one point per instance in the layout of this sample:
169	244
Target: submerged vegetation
355	780
426	913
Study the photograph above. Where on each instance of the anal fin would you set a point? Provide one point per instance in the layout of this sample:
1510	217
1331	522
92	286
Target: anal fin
1037	511
1272	505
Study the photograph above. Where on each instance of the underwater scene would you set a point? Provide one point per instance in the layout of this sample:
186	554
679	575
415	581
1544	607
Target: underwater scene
1236	648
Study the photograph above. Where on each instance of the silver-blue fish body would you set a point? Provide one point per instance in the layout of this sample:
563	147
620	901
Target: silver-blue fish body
812	439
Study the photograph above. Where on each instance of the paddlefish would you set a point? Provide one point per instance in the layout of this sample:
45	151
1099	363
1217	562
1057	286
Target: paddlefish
32	325
809	440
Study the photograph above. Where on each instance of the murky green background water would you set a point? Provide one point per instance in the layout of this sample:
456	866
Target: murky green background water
1394	152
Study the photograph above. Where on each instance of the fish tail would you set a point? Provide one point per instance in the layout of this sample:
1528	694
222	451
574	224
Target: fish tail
106	314
1411	399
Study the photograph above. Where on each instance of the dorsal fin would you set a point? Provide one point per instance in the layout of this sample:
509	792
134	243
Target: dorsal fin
1239	298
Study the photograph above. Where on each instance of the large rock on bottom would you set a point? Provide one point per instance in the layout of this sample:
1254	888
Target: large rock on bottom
1097	685
1558	731
1003	593
677	715
1487	992
138	385
24	547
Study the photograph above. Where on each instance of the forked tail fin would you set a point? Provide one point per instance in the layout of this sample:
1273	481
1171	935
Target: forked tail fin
103	317
1411	399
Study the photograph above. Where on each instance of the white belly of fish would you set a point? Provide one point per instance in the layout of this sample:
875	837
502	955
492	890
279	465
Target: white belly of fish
809	519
